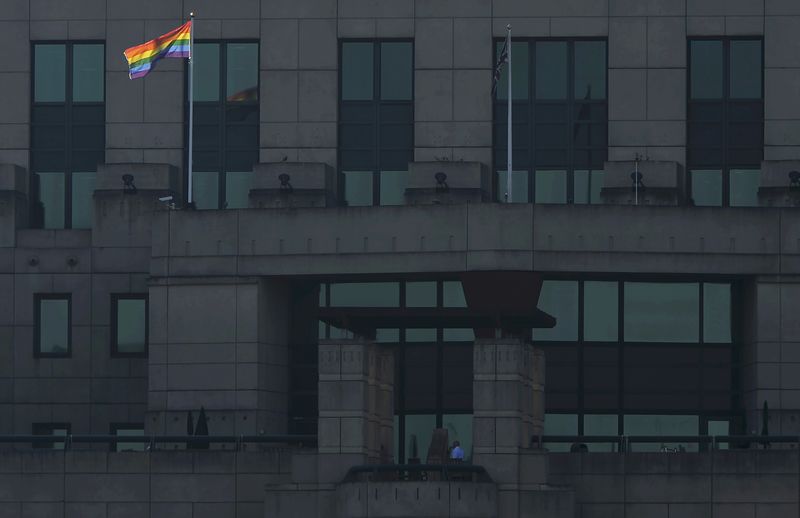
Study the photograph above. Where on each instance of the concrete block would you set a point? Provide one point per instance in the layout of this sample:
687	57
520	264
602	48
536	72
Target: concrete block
666	488
690	510
627	94
84	510
433	94
193	488
776	510
734	510
13	82
666	94
705	26
581	26
666	42
128	509
318	95
470	102
647	510
627	43
472	42
107	487
742	488
732	7
434	43
317	44
394	27
171	510
41	510
781	84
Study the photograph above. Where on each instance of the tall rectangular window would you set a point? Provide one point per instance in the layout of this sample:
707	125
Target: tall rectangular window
376	121
559	122
725	121
51	429
129	325
52	325
67	132
226	123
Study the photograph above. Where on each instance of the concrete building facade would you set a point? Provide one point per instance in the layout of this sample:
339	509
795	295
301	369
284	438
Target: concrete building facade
350	257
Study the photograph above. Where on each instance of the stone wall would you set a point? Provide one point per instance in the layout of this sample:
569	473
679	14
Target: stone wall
163	484
753	484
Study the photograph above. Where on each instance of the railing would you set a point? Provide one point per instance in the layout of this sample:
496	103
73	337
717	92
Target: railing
417	472
624	443
151	442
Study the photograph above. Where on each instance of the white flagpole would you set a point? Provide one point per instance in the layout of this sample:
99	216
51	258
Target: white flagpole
510	140
191	103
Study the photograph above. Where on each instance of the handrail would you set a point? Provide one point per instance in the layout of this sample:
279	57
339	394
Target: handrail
405	471
152	440
624	442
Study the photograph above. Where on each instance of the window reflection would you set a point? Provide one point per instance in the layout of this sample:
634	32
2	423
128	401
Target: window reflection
459	428
590	70
131	326
393	187
206	72
745	69
87	73
53	326
716	313
601	424
82	199
50	68
559	299
560	424
588	185
205	190
706	69
551	187
453	295
551	70
662	425
662	312
396	71
365	294
419	431
358	188
357	71
744	187
51	199
242	73
237	189
421	294
519	76
600	310
519	186
707	188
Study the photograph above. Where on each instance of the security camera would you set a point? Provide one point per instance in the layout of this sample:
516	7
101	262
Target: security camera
165	199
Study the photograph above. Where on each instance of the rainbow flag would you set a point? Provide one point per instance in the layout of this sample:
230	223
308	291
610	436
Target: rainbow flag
174	44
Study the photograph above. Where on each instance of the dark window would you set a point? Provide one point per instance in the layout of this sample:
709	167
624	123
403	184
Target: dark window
127	430
376	121
67	132
51	429
128	325
226	123
560	121
52	336
725	121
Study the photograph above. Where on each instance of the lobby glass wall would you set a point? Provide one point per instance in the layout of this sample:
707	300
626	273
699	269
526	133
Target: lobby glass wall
376	120
639	358
725	121
560	121
433	377
226	123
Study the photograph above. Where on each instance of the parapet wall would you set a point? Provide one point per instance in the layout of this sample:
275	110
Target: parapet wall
179	484
756	484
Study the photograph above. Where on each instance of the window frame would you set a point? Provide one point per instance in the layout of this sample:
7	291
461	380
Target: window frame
726	165
572	104
68	124
37	323
115	298
376	102
38	428
116	426
222	131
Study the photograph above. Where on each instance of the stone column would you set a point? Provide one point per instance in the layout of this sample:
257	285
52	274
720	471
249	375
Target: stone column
356	406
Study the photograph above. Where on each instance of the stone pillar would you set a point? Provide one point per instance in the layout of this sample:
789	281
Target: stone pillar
13	202
770	361
356	406
221	344
508	418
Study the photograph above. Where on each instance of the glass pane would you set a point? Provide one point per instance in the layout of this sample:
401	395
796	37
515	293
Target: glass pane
242	73
321	328
519	74
50	73
130	446
560	424
453	295
707	188
662	425
51	197
131	325
205	190
588	185
590	70
559	299
393	187
206	72
746	69
82	199
719	428
397	71
420	335
600	311
716	313
87	73
551	70
551	187
421	294
387	336
458	335
54	326
459	429
357	71
744	187
358	188
706	69
365	294
323	288
237	190
662	312
419	430
519	186
601	425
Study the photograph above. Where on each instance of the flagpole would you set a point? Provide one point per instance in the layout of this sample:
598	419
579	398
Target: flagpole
510	140
191	104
